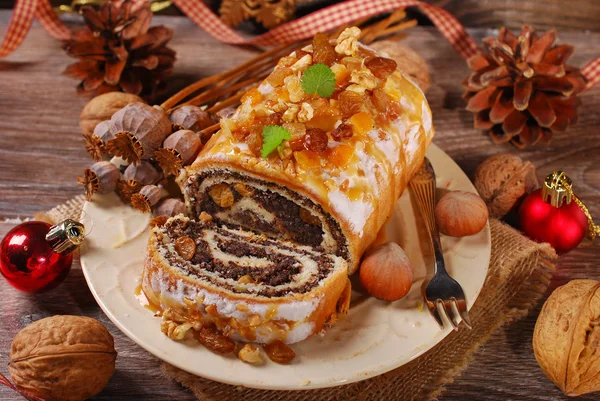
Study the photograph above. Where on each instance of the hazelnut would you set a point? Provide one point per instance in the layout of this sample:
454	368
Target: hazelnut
386	272
170	207
102	108
460	213
502	180
62	358
567	336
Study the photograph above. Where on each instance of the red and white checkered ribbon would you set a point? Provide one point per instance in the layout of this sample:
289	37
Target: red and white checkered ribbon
322	20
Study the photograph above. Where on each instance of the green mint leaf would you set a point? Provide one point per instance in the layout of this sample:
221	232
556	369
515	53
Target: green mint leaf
319	79
273	135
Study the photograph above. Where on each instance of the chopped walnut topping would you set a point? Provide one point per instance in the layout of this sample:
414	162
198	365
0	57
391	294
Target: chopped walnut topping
364	77
347	42
293	86
356	88
306	113
285	151
174	325
303	63
290	114
339	70
250	354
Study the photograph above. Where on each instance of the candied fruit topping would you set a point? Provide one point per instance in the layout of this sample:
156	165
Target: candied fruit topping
315	140
381	67
254	95
341	155
362	123
308	160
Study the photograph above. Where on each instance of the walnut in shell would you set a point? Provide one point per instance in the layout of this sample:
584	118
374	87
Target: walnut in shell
62	358
502	180
102	108
138	131
566	338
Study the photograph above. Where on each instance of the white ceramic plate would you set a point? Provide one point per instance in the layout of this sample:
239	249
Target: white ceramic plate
376	336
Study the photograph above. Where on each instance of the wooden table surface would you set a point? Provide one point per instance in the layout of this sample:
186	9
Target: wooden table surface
41	154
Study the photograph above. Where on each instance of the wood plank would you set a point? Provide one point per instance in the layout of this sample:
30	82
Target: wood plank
41	155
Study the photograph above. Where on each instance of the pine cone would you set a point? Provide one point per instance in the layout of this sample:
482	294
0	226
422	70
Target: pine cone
521	90
118	51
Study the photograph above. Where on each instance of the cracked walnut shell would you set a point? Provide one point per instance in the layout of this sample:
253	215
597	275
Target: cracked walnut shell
566	338
502	180
62	358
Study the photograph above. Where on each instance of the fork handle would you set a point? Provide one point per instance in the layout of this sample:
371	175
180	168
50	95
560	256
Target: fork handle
423	186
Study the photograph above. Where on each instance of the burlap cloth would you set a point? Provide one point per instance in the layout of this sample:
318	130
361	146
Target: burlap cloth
519	273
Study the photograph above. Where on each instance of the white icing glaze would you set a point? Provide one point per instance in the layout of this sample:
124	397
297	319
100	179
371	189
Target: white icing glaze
355	212
265	88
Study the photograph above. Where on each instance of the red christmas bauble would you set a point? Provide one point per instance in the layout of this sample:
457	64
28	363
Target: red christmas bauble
27	260
562	227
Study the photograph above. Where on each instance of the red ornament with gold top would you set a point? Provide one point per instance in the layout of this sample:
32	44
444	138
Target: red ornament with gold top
555	215
36	256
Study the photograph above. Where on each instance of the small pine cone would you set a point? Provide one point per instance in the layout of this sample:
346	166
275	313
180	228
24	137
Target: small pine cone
100	178
521	90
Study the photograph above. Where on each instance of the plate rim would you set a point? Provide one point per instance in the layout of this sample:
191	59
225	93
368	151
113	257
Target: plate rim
158	353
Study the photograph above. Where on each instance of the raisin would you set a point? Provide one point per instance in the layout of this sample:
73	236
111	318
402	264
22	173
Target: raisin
274	119
323	51
185	247
255	141
315	140
342	132
279	352
241	133
212	339
380	99
381	67
349	103
297	144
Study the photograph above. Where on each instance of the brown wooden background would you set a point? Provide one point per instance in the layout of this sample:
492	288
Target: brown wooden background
41	155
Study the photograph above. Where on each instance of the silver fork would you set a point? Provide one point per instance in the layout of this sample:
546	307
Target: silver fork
442	292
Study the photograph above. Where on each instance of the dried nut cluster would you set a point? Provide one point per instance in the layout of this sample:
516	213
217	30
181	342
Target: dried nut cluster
460	214
62	358
502	180
567	336
386	272
250	354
